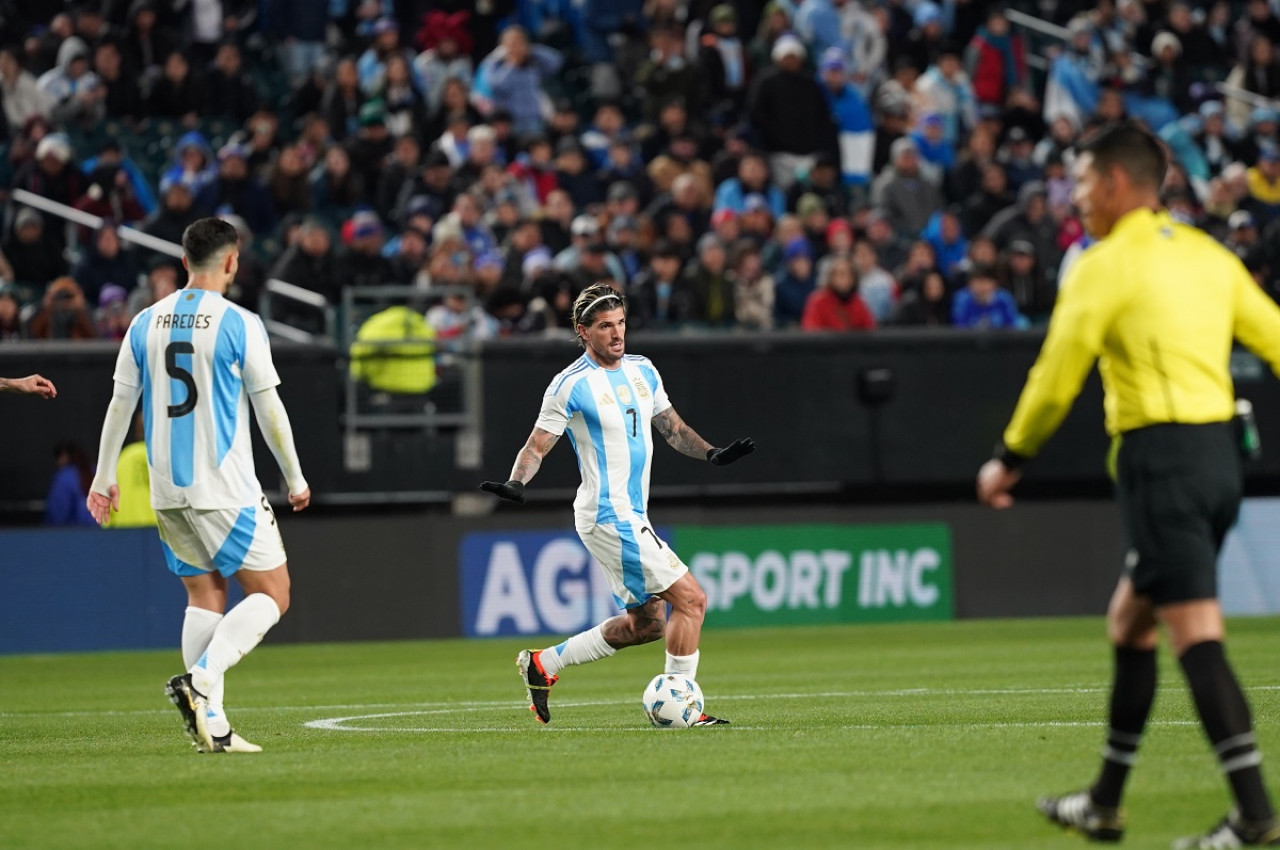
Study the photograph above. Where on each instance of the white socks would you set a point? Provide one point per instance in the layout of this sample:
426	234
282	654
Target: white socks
238	632
582	648
686	665
197	630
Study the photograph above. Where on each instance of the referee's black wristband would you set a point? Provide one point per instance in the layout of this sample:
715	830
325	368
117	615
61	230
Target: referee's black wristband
1007	456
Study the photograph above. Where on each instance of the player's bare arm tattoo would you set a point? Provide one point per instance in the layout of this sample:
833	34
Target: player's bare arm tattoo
680	436
529	461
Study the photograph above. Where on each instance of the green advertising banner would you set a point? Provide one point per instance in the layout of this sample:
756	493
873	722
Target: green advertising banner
808	574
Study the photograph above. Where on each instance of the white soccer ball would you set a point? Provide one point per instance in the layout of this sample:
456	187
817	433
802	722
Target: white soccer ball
672	701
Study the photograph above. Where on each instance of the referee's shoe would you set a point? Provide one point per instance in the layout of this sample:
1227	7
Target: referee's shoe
1077	812
1233	832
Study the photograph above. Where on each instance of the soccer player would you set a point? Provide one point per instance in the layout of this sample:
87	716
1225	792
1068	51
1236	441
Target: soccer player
1158	304
198	361
30	385
605	401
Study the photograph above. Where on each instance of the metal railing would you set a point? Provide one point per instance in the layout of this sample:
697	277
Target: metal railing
453	403
93	222
279	290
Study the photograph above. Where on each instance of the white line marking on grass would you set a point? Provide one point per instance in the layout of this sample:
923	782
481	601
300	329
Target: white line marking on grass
900	692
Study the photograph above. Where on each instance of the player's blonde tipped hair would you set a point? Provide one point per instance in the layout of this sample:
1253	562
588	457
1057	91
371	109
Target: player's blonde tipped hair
593	299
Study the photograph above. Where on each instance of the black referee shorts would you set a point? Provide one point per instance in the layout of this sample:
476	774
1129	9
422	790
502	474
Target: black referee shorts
1179	488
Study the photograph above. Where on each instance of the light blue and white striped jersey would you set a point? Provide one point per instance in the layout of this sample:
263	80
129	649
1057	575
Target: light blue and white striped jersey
196	357
606	413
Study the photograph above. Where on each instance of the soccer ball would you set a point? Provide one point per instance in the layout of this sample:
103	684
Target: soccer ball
672	701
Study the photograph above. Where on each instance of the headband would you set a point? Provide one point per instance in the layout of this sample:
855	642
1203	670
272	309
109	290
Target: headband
591	306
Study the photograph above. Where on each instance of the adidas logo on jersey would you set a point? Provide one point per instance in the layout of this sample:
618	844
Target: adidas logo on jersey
607	398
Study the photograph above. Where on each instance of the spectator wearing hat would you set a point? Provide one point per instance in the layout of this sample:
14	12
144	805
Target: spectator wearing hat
359	260
52	174
1262	130
722	62
902	191
446	44
1242	233
822	180
1016	155
982	304
926	40
1029	220
407	255
430	187
852	116
795	283
574	175
665	77
371	67
753	179
996	60
371	144
836	305
75	94
34	255
194	164
1169	76
511	78
1211	136
586	235
234	190
1020	273
935	149
660	297
179	92
790	114
111	319
814	219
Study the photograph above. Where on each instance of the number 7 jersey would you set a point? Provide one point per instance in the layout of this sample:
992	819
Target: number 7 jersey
606	413
196	357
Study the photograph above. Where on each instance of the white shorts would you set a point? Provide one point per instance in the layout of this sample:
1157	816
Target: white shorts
197	542
637	563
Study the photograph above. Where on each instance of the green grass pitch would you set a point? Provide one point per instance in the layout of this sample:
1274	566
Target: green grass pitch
913	736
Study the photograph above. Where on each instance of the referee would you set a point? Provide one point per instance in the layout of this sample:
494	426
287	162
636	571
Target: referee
1157	304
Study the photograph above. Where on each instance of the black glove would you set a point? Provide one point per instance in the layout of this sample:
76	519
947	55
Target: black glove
512	491
731	452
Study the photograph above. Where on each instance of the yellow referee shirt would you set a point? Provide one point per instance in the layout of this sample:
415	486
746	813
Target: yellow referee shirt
1157	304
134	480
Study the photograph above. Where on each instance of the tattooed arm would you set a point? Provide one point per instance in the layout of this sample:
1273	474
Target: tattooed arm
529	461
680	436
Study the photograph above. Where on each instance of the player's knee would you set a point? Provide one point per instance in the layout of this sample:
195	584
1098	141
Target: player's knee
696	602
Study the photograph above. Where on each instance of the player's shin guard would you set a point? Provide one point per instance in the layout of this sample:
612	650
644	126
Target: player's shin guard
1225	716
582	648
1133	690
239	632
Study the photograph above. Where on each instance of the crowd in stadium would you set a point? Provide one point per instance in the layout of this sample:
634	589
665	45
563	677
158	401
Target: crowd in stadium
822	164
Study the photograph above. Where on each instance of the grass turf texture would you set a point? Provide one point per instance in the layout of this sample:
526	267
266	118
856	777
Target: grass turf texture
914	736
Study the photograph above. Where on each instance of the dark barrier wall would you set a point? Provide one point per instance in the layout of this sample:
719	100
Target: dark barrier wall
798	395
396	576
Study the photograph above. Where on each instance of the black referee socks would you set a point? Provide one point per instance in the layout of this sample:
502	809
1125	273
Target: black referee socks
1133	690
1225	716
